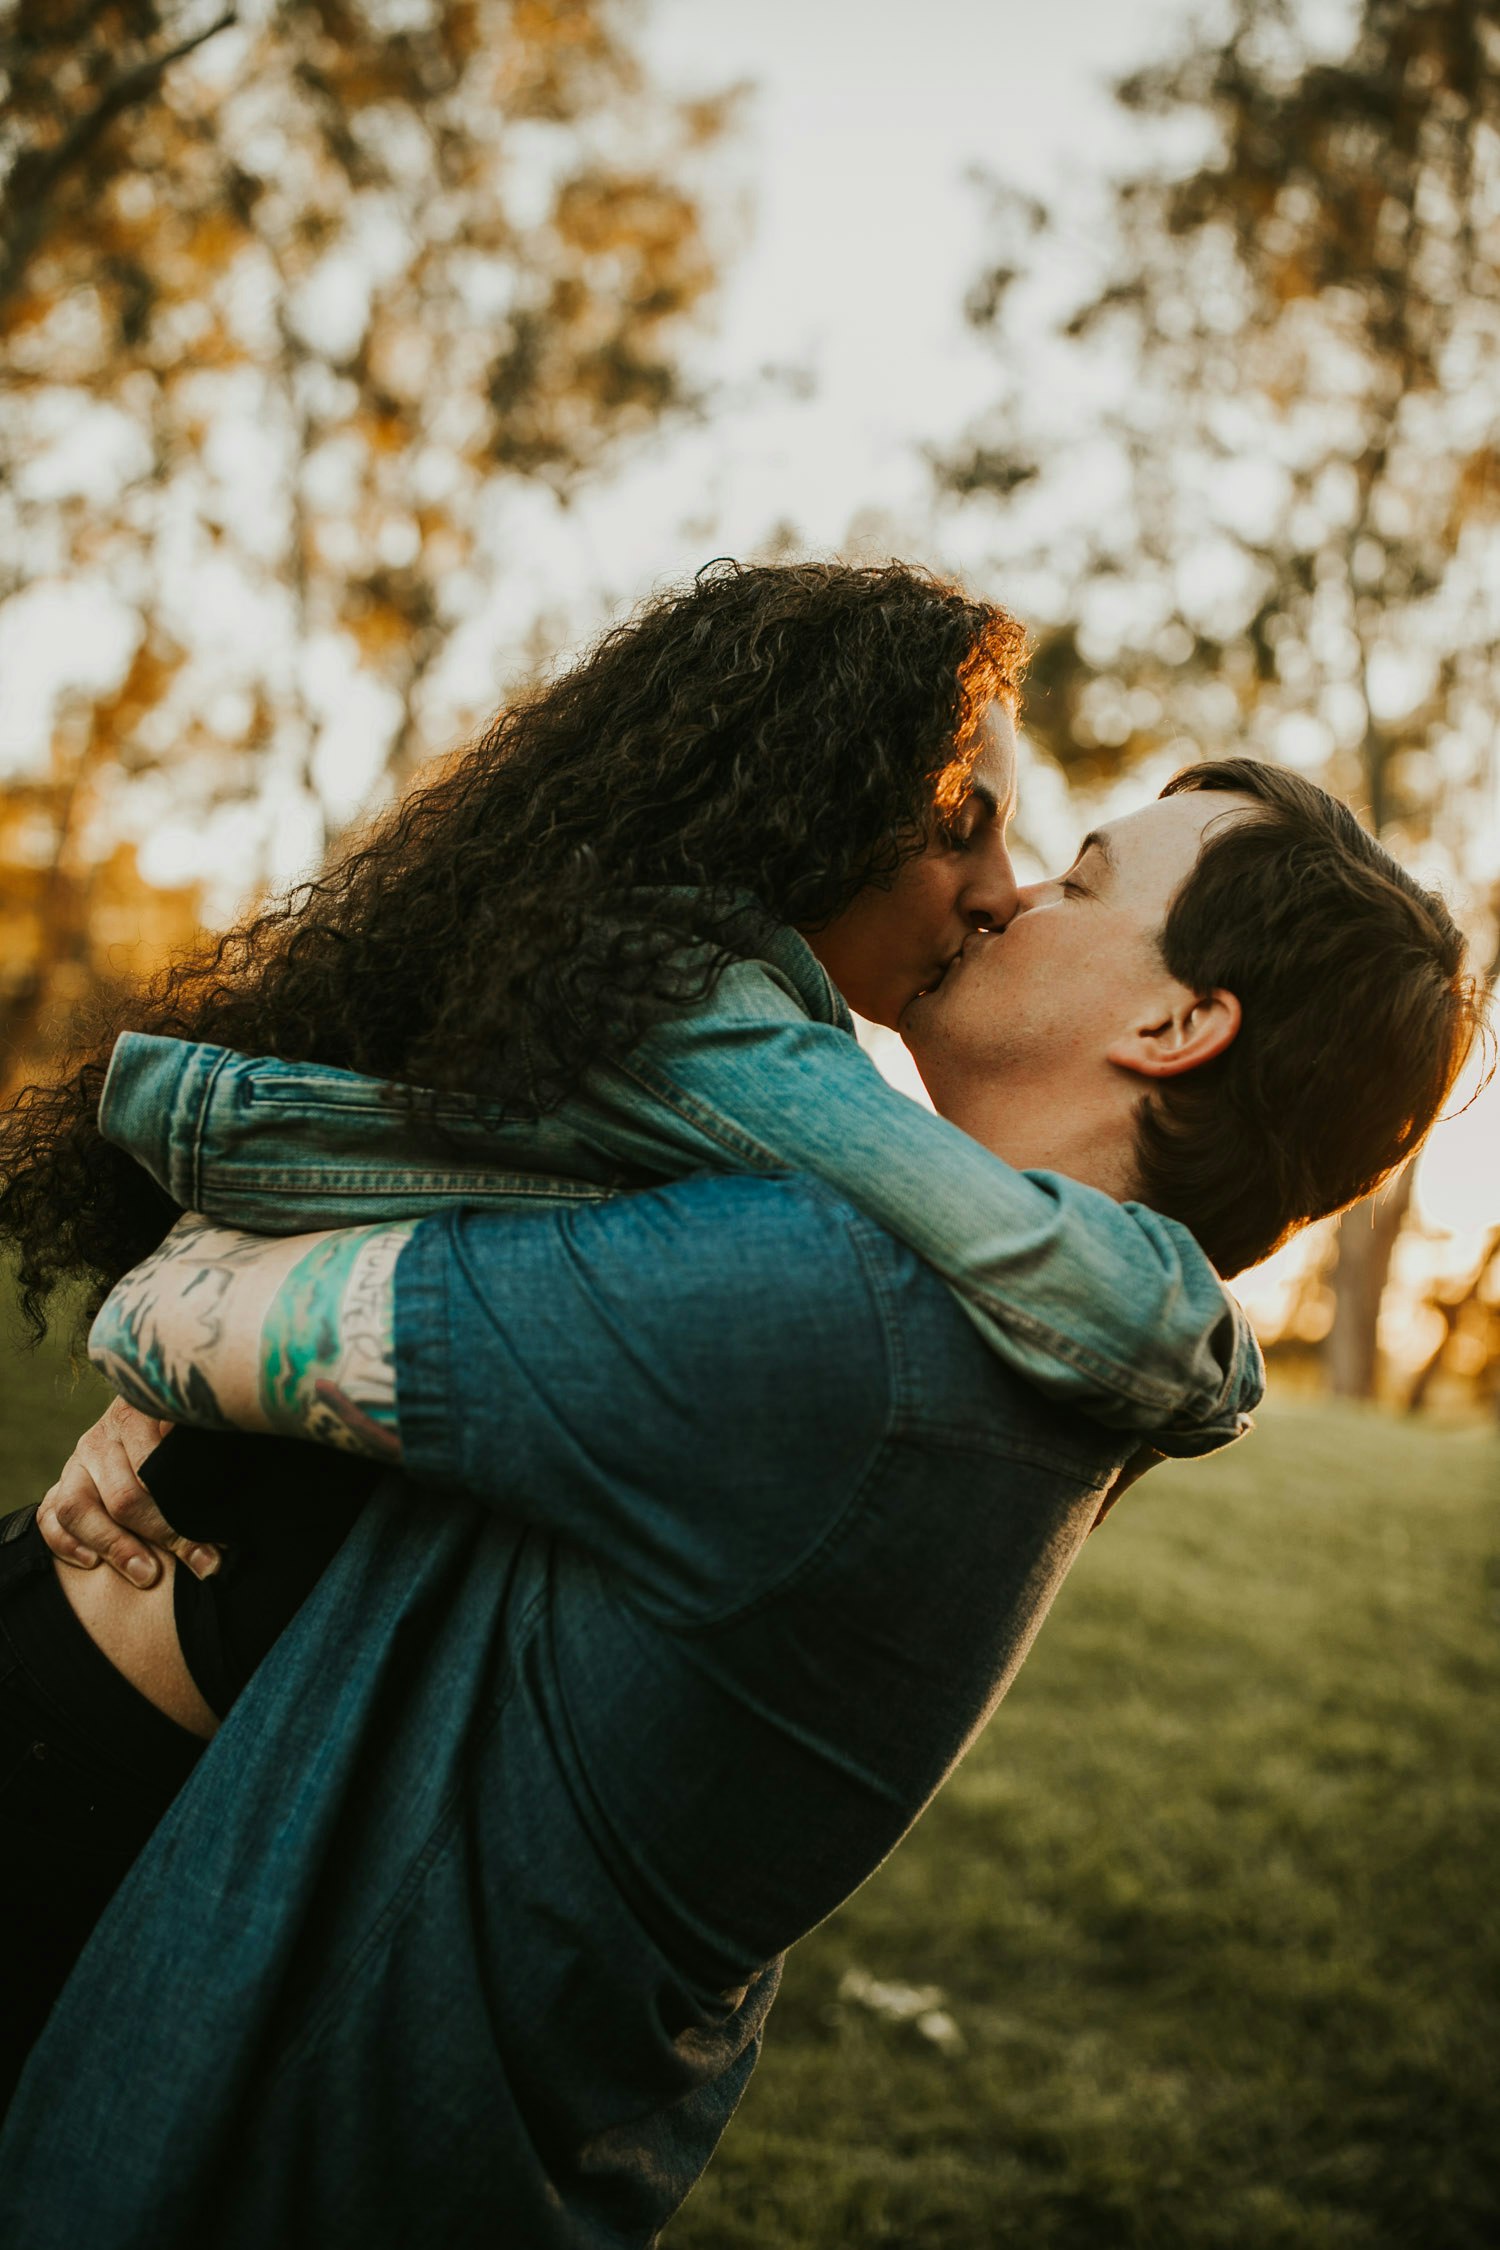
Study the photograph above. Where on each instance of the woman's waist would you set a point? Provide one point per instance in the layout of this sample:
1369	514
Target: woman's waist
94	1657
136	1629
279	1510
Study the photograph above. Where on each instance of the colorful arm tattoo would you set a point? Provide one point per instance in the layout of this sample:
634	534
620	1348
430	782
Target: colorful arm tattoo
161	1327
236	1331
328	1344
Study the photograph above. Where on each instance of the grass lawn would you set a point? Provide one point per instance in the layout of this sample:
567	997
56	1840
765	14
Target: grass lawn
1211	1908
1209	1916
44	1403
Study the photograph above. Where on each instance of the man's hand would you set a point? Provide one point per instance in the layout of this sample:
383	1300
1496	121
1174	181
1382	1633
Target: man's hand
99	1511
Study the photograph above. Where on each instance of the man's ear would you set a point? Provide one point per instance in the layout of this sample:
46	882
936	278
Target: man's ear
1189	1035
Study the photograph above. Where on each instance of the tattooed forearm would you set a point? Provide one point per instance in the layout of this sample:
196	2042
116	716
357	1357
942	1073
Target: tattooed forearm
161	1325
169	1398
328	1369
241	1331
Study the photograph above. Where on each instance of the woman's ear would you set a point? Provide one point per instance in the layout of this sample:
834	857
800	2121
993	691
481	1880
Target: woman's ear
1187	1037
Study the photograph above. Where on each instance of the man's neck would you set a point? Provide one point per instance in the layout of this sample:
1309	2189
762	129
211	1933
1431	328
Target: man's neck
1094	1144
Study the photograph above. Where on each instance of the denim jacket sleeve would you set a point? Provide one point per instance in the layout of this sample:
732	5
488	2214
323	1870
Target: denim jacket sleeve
1108	1308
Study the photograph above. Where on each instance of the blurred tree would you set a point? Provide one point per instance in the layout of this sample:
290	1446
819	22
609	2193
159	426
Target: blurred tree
1283	533
1468	1314
71	924
292	292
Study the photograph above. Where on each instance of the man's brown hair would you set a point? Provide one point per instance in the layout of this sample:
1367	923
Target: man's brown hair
1357	1017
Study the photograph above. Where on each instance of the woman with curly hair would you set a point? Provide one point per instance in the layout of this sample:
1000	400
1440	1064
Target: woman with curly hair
805	737
601	947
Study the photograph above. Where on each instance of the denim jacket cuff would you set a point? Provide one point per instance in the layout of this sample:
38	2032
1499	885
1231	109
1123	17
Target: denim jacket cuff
155	1104
1229	1416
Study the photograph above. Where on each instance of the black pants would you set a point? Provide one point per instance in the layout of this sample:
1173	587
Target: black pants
87	1768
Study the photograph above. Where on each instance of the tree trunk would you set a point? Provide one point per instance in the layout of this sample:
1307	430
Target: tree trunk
1366	1239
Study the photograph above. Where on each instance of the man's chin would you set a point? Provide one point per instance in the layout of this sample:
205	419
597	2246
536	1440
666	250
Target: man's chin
921	1003
915	1027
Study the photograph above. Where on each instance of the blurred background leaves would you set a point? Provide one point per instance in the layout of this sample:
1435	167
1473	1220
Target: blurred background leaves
287	294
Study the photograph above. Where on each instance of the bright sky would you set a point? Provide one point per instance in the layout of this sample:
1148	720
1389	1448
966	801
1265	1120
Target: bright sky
865	229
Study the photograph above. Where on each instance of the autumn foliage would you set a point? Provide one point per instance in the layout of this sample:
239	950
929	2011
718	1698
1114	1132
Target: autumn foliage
291	297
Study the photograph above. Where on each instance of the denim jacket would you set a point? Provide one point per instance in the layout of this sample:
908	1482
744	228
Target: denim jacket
1110	1309
720	1537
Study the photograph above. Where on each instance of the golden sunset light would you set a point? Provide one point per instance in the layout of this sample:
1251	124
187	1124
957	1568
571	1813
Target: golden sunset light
749	1355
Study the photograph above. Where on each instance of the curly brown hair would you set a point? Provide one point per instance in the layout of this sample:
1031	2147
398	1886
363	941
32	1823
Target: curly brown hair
786	731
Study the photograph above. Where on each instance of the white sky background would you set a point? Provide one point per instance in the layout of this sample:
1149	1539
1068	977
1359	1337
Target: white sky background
864	231
867	119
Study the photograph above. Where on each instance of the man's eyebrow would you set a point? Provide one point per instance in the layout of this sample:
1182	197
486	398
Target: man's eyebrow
1097	840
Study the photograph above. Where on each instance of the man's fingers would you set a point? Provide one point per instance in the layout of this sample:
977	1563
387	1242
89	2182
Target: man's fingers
138	1435
64	1545
80	1531
75	1523
99	1508
102	1470
201	1560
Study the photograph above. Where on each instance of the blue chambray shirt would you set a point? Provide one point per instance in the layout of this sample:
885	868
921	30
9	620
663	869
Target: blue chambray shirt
466	1926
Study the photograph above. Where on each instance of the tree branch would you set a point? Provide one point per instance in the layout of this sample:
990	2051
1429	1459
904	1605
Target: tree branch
131	87
16	52
1452	1310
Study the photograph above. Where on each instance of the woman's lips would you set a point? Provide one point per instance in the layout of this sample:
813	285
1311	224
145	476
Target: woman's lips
940	972
945	969
957	960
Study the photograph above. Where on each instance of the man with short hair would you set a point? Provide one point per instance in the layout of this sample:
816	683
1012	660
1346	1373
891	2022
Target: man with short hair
1245	1046
742	1536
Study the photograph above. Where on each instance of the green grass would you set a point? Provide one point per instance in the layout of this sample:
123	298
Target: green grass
44	1403
1211	1905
